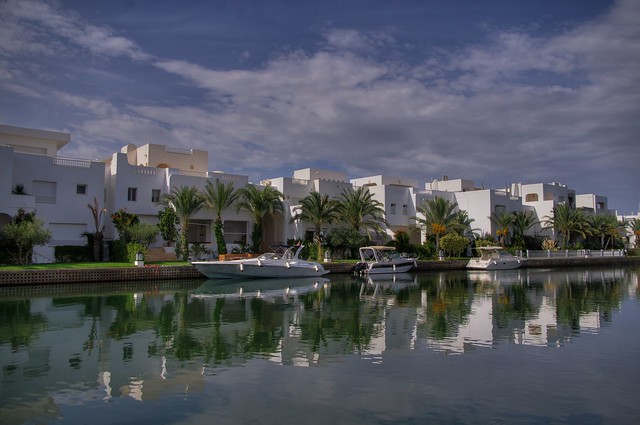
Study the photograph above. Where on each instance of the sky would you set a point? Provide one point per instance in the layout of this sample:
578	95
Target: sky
494	91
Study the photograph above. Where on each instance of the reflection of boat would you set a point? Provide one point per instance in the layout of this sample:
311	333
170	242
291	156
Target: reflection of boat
259	288
498	277
382	259
266	265
391	283
494	258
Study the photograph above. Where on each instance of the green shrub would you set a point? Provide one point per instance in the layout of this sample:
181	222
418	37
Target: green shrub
132	250
73	253
427	251
454	244
118	251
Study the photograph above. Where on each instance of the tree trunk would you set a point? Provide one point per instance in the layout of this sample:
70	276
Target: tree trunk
97	246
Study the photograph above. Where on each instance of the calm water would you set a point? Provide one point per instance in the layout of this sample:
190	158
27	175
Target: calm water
528	346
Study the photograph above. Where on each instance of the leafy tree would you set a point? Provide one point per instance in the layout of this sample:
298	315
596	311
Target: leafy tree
503	222
167	222
123	221
360	211
454	244
185	201
260	202
402	242
98	235
566	221
24	233
218	198
144	234
318	210
439	217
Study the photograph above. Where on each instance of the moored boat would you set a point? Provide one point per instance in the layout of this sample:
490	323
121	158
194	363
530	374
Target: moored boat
268	265
382	259
494	258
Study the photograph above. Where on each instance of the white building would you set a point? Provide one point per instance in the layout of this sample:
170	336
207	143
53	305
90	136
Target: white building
399	197
58	189
279	229
136	178
480	203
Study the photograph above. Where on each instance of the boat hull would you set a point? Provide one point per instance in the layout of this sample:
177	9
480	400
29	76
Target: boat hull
386	268
262	270
494	264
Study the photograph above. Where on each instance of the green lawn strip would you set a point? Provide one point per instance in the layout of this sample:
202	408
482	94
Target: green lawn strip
87	265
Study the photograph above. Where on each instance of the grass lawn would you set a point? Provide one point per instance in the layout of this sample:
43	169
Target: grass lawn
86	265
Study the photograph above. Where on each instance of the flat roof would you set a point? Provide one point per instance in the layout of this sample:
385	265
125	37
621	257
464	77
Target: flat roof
60	138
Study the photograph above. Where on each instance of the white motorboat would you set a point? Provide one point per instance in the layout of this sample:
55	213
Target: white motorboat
268	265
494	258
383	259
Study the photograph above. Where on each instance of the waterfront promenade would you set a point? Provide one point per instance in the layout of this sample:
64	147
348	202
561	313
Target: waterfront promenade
155	273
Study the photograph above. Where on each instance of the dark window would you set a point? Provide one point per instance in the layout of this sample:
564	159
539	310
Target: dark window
155	195
132	194
81	189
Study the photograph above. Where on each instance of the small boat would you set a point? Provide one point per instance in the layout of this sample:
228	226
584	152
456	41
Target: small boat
382	259
268	265
494	258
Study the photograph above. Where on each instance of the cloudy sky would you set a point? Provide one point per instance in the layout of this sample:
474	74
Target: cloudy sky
495	91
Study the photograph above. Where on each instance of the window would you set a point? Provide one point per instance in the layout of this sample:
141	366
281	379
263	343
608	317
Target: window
44	191
155	195
81	189
235	232
393	208
132	194
405	210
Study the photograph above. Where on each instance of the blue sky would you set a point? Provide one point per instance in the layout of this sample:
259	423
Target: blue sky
492	91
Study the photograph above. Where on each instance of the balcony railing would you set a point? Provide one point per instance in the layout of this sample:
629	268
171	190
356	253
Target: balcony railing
69	162
145	171
41	199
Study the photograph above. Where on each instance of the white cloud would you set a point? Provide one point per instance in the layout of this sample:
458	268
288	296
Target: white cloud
35	17
512	106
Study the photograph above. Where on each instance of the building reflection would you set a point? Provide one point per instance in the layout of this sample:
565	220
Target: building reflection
142	343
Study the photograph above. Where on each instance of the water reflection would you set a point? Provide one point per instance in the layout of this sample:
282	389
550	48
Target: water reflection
143	341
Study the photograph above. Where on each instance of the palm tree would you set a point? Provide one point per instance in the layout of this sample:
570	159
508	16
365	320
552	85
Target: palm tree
503	222
98	235
615	230
440	217
522	221
599	225
186	201
318	210
565	221
464	224
260	202
218	198
360	211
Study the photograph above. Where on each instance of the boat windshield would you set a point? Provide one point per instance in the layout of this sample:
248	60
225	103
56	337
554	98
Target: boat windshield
373	254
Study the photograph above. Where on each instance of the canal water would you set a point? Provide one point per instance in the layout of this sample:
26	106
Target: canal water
508	347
